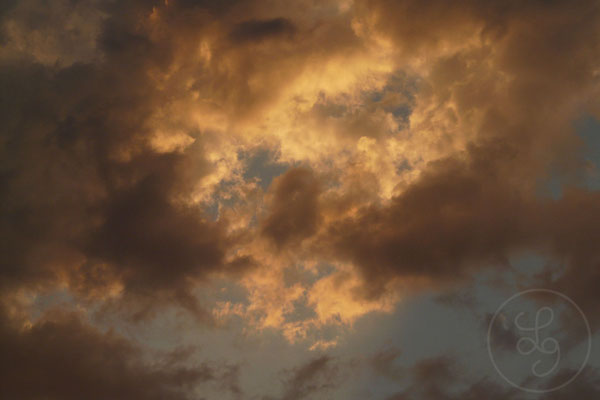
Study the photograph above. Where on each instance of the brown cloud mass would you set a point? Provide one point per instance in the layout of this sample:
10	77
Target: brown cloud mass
64	358
419	135
294	209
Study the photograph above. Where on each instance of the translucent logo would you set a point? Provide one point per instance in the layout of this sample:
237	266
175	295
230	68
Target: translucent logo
530	335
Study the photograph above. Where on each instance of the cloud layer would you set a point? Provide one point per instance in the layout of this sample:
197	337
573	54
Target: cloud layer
416	145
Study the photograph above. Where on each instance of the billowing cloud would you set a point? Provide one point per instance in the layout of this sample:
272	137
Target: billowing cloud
294	210
414	144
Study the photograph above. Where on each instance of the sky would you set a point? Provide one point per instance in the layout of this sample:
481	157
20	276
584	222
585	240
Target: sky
300	199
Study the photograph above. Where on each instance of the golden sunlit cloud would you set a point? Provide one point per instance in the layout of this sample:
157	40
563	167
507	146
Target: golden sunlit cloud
201	187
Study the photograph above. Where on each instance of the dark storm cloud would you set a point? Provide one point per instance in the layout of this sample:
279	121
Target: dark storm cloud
456	216
63	358
573	226
157	242
65	192
293	212
84	196
462	216
255	30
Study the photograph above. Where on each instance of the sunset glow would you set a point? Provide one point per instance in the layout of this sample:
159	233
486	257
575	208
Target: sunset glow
263	199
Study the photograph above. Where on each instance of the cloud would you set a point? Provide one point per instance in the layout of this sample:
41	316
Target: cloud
314	377
439	378
92	203
456	217
294	210
62	357
63	34
416	135
493	113
383	364
257	30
